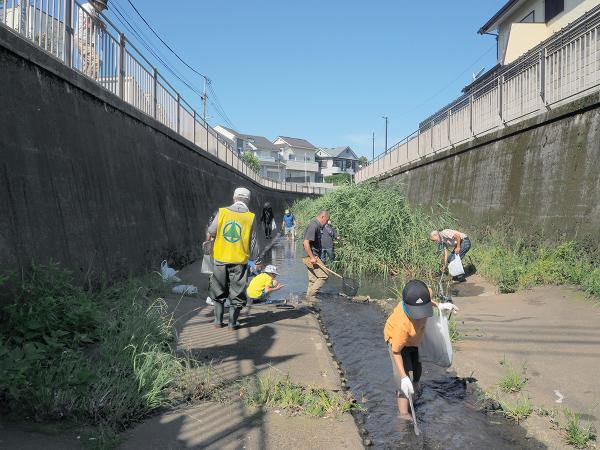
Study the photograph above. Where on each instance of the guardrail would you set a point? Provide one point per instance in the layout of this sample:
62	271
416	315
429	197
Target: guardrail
563	67
67	30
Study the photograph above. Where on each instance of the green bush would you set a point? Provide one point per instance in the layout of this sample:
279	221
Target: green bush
100	358
339	179
381	233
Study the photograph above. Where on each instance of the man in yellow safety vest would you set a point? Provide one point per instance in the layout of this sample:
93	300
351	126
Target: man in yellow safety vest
234	232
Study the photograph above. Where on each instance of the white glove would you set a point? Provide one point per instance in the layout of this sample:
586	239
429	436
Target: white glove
447	306
406	386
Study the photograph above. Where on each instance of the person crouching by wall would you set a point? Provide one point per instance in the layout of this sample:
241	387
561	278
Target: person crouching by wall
263	285
403	332
234	232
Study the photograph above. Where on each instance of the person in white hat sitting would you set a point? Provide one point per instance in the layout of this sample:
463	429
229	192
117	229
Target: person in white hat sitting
262	285
234	231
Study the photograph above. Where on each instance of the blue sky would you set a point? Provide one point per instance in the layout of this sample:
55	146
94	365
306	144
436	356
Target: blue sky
325	70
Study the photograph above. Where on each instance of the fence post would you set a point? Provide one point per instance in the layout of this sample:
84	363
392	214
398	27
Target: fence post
543	76
155	93
122	66
471	115
178	113
68	36
194	119
500	98
448	120
431	134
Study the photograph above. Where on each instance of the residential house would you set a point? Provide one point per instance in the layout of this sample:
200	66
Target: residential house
232	137
270	156
271	160
300	159
520	25
336	160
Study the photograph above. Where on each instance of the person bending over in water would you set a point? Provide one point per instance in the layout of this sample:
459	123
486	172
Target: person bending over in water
403	332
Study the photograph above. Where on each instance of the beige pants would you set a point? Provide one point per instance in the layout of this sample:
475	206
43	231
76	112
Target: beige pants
316	277
90	59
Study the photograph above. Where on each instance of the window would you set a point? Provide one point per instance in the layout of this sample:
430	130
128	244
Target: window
291	157
529	18
553	8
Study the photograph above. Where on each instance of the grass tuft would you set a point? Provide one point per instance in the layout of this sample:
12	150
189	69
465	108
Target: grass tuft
273	391
513	381
518	410
577	434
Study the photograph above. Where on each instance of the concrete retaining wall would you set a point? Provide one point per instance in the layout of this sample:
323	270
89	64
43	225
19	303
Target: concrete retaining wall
542	175
90	182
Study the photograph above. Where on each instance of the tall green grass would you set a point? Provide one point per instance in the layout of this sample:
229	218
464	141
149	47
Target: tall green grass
103	359
515	261
381	233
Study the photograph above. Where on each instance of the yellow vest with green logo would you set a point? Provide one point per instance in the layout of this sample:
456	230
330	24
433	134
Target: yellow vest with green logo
232	243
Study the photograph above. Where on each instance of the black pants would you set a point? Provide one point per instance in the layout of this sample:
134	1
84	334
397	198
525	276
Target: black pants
268	230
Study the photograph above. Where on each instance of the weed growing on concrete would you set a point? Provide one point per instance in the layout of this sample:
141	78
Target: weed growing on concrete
453	329
513	381
277	392
577	434
102	359
518	410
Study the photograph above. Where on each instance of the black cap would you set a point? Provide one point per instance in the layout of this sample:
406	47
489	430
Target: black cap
417	299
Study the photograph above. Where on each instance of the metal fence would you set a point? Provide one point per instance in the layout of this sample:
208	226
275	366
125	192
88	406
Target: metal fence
68	31
565	66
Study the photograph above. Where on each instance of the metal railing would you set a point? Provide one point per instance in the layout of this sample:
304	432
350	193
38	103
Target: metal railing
558	70
68	31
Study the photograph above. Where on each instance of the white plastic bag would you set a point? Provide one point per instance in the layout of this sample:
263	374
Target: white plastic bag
273	226
185	289
455	267
436	346
207	264
168	273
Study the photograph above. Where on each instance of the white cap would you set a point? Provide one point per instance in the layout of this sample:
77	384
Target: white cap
241	193
271	269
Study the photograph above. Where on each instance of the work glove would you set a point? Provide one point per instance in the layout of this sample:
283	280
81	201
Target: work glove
406	387
447	306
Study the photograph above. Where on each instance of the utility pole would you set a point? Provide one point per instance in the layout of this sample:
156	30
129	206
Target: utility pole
204	97
373	147
386	128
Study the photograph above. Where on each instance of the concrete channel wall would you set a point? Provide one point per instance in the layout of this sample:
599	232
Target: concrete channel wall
90	182
541	175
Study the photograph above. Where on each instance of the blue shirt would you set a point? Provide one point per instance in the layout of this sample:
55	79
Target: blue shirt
288	220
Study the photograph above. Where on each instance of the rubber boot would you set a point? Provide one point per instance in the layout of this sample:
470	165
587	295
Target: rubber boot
219	308
234	313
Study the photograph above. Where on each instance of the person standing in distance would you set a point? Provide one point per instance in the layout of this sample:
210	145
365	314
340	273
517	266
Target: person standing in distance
317	276
235	244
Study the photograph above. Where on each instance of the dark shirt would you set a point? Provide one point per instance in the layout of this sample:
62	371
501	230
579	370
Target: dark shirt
267	216
313	235
328	235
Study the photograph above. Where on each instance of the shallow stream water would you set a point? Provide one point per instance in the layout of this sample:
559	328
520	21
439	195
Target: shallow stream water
446	409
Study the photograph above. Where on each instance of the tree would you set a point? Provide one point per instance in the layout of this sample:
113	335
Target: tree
252	161
339	179
363	161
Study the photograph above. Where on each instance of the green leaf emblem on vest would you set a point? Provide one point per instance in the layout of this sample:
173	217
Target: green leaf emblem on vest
232	232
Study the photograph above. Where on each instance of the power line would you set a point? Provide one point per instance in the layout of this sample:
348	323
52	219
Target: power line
424	102
126	21
164	43
217	105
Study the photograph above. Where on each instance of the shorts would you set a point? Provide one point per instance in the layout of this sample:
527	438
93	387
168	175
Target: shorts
289	230
412	365
262	298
